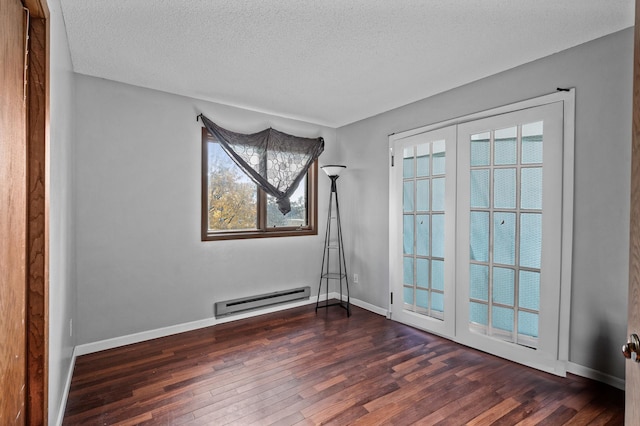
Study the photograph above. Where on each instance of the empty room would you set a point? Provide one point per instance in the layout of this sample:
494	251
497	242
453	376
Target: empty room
331	212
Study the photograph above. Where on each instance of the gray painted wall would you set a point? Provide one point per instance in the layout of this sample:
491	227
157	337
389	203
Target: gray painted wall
62	290
601	72
140	262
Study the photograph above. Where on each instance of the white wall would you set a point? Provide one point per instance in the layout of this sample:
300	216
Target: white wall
601	72
140	262
61	235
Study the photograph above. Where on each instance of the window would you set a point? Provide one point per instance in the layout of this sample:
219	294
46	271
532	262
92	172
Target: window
233	207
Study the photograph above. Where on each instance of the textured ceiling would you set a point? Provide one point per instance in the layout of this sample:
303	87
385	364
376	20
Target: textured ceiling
329	62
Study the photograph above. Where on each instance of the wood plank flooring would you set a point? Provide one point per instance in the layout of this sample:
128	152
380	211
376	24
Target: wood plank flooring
297	368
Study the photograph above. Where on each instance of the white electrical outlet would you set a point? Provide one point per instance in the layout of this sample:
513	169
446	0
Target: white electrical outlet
355	278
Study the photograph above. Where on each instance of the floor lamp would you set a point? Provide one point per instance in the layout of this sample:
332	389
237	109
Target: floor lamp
334	265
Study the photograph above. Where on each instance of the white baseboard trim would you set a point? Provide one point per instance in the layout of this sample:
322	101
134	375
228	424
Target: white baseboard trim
589	373
369	307
65	392
142	336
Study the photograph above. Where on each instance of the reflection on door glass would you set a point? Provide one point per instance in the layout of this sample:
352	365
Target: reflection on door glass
422	195
530	240
528	324
479	238
504	285
437	202
422	272
480	188
422	298
531	188
407	163
422	161
408	236
481	149
506	146
408	270
479	282
438	157
502	318
437	274
532	143
504	238
437	239
529	293
478	313
422	235
407	196
504	188
437	302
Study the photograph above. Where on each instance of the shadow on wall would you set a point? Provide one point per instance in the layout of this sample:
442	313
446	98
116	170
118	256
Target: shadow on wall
605	345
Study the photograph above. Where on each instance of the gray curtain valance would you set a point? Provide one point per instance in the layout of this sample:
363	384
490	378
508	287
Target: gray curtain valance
275	161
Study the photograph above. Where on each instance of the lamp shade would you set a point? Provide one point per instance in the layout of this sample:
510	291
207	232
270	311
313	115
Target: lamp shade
333	169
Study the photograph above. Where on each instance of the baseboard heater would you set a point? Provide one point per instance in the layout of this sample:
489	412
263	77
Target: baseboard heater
253	302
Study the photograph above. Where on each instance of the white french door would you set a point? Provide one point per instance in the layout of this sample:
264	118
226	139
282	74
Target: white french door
476	233
510	227
425	182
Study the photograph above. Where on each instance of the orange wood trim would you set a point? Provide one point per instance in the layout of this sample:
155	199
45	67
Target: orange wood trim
12	214
37	223
632	394
37	8
312	197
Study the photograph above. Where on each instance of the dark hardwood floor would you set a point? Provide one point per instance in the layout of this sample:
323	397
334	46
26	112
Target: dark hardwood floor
298	368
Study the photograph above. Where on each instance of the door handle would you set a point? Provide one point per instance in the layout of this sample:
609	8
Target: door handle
632	346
